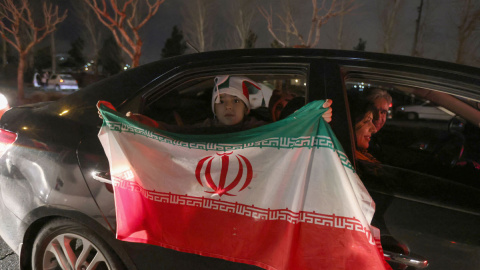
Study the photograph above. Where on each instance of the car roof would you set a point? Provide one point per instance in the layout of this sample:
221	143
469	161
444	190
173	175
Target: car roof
360	56
117	88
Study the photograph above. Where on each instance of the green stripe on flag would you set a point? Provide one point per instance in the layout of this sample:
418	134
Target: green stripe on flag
292	132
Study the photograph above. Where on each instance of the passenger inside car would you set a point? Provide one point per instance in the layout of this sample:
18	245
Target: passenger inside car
440	140
277	103
363	116
380	100
230	106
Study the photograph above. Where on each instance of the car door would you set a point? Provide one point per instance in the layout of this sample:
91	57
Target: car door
52	80
426	186
184	100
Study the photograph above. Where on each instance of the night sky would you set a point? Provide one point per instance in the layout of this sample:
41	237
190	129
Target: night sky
364	22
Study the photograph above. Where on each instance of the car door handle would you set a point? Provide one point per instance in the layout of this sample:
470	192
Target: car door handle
409	260
103	177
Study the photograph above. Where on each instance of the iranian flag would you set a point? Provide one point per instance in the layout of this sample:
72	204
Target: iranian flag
281	196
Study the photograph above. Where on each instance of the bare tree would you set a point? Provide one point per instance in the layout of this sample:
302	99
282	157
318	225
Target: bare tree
468	41
321	14
16	20
91	31
423	26
282	36
418	22
53	52
340	27
242	15
389	20
123	20
4	53
197	25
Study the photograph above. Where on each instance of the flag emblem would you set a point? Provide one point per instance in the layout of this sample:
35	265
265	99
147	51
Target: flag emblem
226	181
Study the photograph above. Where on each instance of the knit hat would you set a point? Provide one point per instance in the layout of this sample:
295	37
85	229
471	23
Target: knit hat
233	85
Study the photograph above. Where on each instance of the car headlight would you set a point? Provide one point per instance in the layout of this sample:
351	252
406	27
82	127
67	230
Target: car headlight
3	102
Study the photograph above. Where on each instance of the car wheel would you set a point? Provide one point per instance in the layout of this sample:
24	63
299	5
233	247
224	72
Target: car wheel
412	116
65	244
57	87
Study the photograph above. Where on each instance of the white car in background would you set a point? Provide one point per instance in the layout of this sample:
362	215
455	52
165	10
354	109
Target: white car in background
425	110
62	82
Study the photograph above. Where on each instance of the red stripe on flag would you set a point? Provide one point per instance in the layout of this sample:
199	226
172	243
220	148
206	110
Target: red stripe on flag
208	227
199	169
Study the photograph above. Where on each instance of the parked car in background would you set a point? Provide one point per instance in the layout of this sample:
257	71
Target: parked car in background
56	214
425	110
62	82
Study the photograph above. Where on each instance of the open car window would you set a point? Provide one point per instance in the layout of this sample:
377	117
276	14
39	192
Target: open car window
426	130
189	102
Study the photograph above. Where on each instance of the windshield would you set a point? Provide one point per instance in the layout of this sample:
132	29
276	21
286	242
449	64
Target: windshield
66	77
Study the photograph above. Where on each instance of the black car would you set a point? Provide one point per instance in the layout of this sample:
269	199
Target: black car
57	208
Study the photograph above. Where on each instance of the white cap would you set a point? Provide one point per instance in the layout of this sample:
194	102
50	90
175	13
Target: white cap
232	85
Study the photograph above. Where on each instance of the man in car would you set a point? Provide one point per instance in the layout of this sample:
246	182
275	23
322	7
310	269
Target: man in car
380	101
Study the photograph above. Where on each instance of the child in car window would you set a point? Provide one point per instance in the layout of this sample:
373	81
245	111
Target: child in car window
231	108
230	102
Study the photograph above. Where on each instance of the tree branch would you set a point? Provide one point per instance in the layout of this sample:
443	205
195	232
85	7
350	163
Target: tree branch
122	23
269	17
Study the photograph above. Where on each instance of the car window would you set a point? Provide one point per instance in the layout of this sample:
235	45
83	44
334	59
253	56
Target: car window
190	102
66	77
425	130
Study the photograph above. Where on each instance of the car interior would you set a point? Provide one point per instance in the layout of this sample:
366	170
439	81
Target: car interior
190	102
427	130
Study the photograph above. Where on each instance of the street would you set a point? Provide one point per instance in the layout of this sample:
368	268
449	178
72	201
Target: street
8	258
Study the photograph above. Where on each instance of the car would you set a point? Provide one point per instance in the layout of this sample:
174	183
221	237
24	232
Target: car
62	82
425	110
57	200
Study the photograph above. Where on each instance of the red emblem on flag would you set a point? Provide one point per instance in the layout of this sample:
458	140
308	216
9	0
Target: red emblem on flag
225	182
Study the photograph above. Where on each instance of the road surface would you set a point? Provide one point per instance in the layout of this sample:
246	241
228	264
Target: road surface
8	258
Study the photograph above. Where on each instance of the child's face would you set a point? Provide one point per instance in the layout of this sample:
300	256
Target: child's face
230	110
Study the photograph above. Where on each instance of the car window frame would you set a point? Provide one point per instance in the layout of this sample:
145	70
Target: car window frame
409	79
415	80
158	90
455	86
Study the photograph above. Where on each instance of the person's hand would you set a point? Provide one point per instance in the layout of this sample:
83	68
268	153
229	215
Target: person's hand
327	116
106	104
143	119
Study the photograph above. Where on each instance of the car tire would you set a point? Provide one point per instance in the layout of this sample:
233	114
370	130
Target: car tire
57	87
65	244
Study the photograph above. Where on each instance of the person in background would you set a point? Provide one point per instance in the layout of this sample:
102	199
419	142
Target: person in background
278	102
45	80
